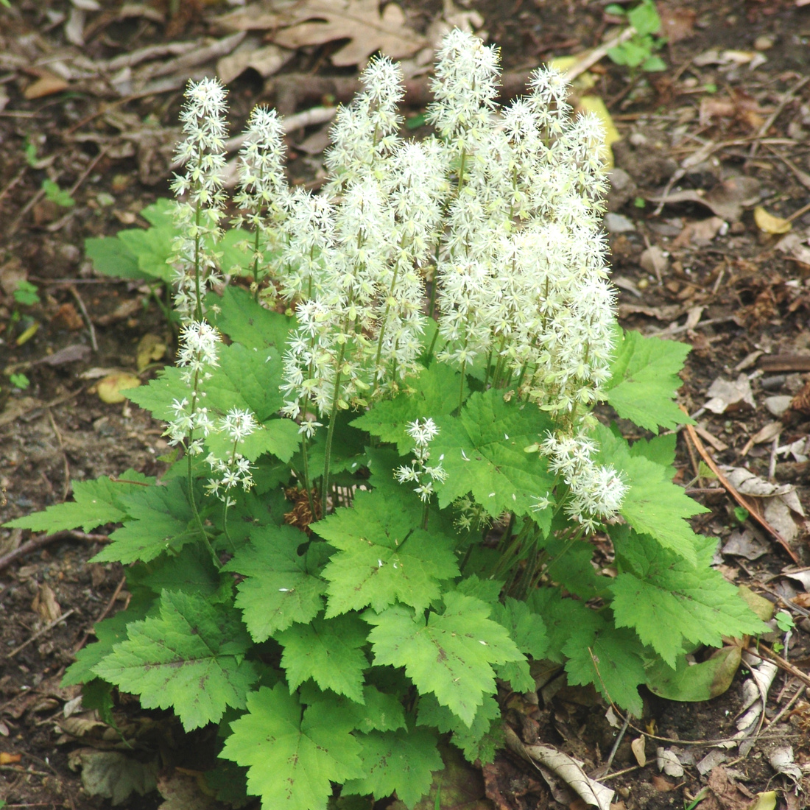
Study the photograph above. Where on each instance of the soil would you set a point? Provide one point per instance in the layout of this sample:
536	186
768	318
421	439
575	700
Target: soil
729	120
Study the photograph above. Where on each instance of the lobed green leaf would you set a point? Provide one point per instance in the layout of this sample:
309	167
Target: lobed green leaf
190	659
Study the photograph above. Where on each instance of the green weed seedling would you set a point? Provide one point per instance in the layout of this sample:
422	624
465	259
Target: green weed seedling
639	52
387	474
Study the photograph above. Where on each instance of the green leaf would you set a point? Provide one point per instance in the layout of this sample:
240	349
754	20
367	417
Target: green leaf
482	452
480	740
382	556
190	659
451	655
433	393
668	601
348	448
279	437
161	519
653	505
609	658
528	631
281	585
157	397
487	590
57	195
112	257
644	381
236	255
380	711
329	651
292	756
694	683
94	504
152	249
559	616
245	321
190	571
109	632
400	762
654	64
644	18
570	565
245	378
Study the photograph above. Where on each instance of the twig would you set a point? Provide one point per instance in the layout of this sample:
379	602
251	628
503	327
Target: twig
12	229
41	405
622	773
742	501
90	166
615	748
796	214
786	709
597	54
75	293
13	182
46	540
769	122
66	483
780	662
40	633
103	614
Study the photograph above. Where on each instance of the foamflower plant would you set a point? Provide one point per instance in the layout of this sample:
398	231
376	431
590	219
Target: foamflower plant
388	491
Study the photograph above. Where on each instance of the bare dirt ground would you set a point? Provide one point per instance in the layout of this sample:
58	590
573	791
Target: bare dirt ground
723	130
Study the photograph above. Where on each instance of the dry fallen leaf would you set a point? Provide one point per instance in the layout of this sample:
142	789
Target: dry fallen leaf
699	233
768	223
265	60
109	389
779	501
726	395
9	759
46	85
668	762
150	348
182	792
637	747
781	760
315	22
45	604
662	785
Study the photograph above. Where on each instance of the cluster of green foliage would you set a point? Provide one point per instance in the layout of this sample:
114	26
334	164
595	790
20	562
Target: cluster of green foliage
342	655
638	52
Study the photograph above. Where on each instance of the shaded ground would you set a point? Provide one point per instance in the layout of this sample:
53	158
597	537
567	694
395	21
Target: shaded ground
731	128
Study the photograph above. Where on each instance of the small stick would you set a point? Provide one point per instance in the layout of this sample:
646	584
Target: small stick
616	745
781	663
744	502
597	54
40	633
75	293
786	709
13	182
45	540
786	98
66	484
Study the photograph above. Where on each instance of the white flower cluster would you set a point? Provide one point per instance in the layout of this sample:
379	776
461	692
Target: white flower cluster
234	470
596	490
197	218
197	355
356	256
420	472
500	214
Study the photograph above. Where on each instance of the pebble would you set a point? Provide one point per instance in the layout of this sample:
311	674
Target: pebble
778	405
618	223
763	43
